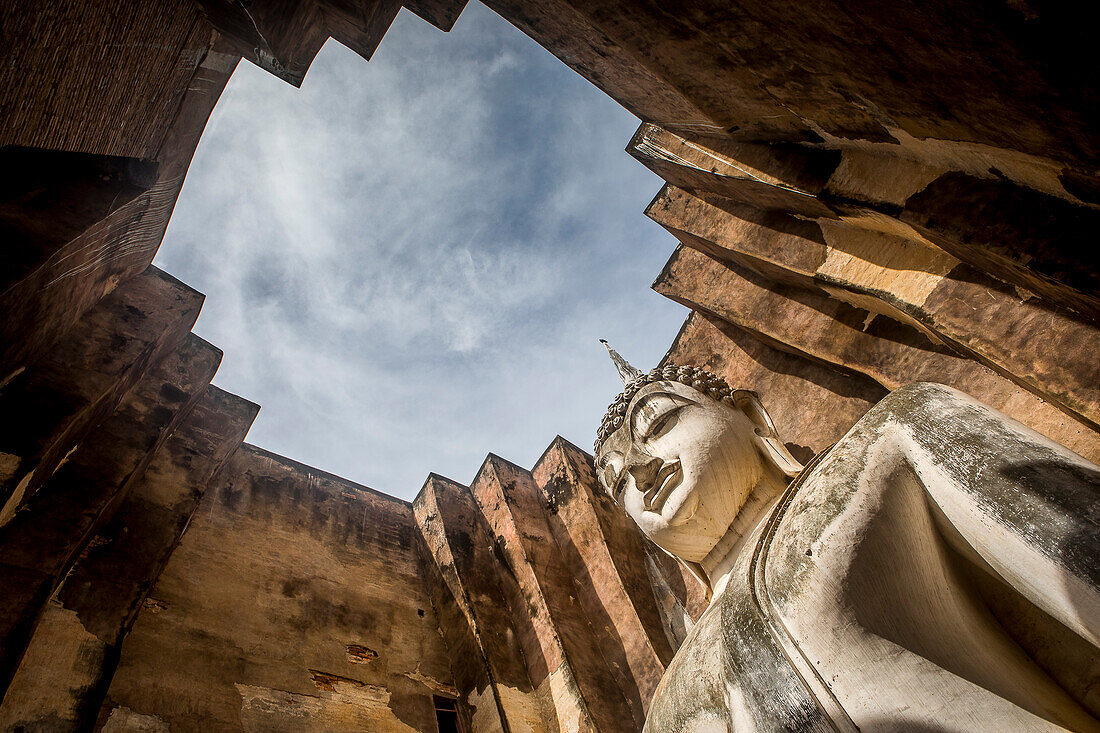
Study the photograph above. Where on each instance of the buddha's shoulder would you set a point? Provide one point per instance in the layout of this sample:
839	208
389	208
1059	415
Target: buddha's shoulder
943	419
714	681
941	414
925	403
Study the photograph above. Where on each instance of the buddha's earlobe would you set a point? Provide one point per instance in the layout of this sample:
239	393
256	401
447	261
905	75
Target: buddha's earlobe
767	437
779	455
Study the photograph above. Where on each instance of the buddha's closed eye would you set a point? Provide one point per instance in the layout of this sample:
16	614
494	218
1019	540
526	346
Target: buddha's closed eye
655	414
663	423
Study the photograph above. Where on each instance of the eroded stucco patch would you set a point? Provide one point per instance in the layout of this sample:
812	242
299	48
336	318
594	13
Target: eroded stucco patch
47	685
359	654
342	704
523	710
125	720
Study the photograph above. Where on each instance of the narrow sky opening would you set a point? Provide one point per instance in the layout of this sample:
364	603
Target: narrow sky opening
409	262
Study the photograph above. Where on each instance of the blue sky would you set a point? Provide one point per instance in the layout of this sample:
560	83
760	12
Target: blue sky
408	262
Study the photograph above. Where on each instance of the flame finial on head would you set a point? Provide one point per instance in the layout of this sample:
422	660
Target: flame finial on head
627	373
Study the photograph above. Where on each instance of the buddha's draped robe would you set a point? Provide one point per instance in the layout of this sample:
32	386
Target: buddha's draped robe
938	569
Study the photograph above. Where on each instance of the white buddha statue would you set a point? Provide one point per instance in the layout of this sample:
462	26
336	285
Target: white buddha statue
938	569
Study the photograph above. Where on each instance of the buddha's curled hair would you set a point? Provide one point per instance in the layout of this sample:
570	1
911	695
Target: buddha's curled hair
697	378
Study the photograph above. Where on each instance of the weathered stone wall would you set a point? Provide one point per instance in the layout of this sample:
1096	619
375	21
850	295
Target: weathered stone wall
470	590
295	601
552	589
91	87
1010	77
791	287
71	658
54	526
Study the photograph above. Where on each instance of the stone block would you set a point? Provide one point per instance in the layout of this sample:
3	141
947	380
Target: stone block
70	660
604	552
783	178
443	14
60	520
53	405
1038	347
485	642
566	659
811	324
279	37
48	197
1019	224
1037	241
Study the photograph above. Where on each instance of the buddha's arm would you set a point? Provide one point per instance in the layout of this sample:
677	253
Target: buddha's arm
1010	500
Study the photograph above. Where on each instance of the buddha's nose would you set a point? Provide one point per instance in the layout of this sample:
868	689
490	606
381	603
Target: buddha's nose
644	469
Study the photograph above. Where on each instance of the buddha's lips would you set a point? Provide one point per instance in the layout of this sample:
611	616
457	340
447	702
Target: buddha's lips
668	478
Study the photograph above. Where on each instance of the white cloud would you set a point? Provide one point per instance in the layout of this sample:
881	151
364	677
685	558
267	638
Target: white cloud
408	262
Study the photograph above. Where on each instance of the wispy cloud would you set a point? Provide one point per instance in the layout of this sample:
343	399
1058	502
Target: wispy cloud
408	262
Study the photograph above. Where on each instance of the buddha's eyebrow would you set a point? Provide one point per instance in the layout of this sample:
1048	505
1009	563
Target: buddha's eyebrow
648	401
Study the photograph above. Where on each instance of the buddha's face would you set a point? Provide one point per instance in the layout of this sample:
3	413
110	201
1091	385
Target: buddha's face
682	465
